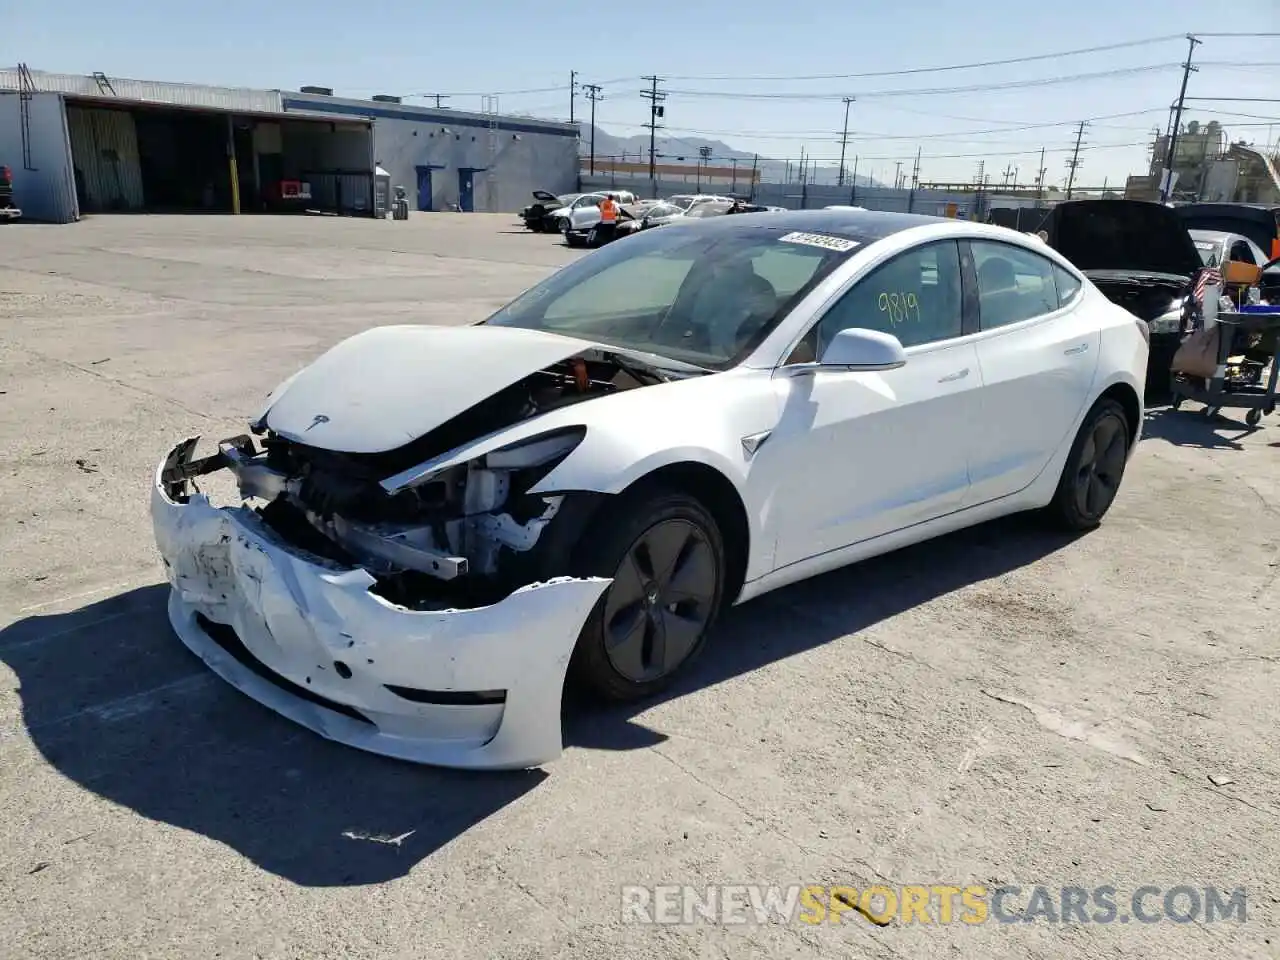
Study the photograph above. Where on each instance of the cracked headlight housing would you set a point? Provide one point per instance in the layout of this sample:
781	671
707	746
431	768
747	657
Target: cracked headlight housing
541	451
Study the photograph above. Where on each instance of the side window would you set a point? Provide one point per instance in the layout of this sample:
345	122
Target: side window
1068	285
1240	251
1013	284
915	296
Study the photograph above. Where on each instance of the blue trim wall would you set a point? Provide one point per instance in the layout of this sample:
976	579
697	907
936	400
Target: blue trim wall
418	115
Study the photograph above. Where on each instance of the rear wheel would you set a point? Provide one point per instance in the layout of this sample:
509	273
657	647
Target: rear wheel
1094	468
665	555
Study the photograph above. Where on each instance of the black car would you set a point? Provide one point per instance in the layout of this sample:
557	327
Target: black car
537	216
1141	257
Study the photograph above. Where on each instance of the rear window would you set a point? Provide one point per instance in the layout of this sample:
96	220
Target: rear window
1260	226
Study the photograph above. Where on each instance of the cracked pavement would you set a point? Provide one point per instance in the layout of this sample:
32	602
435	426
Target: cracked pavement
1001	706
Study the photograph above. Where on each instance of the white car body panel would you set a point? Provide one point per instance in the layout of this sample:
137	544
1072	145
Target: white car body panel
1036	377
893	448
382	407
830	467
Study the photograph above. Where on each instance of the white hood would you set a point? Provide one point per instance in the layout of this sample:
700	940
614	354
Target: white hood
388	386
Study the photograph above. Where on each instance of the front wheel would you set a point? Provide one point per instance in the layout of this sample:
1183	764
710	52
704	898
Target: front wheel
665	556
562	225
1095	466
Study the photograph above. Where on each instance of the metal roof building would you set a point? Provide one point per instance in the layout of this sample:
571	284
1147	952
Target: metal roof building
89	143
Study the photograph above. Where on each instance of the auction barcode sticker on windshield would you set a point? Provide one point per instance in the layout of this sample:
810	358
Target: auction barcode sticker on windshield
839	244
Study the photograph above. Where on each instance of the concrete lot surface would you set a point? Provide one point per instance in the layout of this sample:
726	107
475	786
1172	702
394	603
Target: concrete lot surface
998	707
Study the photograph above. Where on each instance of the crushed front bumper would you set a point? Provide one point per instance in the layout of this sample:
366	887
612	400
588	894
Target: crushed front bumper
473	688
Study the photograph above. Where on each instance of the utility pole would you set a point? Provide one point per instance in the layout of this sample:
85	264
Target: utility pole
915	182
853	184
844	141
1074	162
1040	179
438	97
1166	189
755	160
593	94
897	175
704	154
733	187
656	112
573	89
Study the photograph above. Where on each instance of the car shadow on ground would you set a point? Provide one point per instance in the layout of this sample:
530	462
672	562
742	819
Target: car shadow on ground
805	615
115	703
1189	427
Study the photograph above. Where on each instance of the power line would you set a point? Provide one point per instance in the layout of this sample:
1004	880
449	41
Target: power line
906	158
934	91
1148	41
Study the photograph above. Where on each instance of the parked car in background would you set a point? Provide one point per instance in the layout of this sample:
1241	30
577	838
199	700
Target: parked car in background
8	209
1259	223
435	522
1216	248
538	216
654	213
1141	257
584	213
687	201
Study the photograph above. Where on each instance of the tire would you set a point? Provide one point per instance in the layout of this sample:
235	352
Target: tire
1091	476
683	530
1253	417
562	224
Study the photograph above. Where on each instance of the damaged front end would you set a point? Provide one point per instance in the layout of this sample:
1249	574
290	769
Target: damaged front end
410	602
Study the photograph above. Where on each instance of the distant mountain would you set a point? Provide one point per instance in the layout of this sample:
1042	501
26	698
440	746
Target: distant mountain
685	150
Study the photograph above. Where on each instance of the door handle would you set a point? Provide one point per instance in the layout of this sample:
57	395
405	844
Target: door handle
953	377
1080	348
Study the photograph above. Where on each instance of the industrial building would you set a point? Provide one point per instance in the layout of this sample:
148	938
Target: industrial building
85	144
1208	166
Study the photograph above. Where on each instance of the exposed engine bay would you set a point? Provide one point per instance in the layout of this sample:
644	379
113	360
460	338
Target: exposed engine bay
1147	297
465	534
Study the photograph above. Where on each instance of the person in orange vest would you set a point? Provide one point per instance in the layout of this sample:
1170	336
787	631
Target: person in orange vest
608	227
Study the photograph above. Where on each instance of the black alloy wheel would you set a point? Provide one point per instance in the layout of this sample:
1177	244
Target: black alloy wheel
665	556
1091	477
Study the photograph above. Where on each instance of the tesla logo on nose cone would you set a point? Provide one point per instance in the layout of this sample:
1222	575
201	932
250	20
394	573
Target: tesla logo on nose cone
320	418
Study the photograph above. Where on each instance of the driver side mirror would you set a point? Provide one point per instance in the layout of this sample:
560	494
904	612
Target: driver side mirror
859	351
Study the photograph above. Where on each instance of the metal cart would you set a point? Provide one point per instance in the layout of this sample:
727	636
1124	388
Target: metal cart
1238	385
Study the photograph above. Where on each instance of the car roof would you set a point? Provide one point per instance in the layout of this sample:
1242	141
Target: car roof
1215	235
861	225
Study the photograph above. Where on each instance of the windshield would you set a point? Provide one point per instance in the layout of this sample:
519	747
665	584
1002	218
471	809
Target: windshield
705	298
1208	249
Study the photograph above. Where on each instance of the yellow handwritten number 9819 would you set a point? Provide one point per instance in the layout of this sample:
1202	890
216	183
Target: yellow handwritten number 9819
900	307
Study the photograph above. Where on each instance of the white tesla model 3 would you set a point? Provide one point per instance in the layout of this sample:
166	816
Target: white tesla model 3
439	524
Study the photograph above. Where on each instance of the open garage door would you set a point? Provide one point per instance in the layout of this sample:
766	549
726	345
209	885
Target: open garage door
330	161
138	157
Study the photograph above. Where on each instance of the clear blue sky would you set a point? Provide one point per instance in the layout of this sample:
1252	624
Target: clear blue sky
501	46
